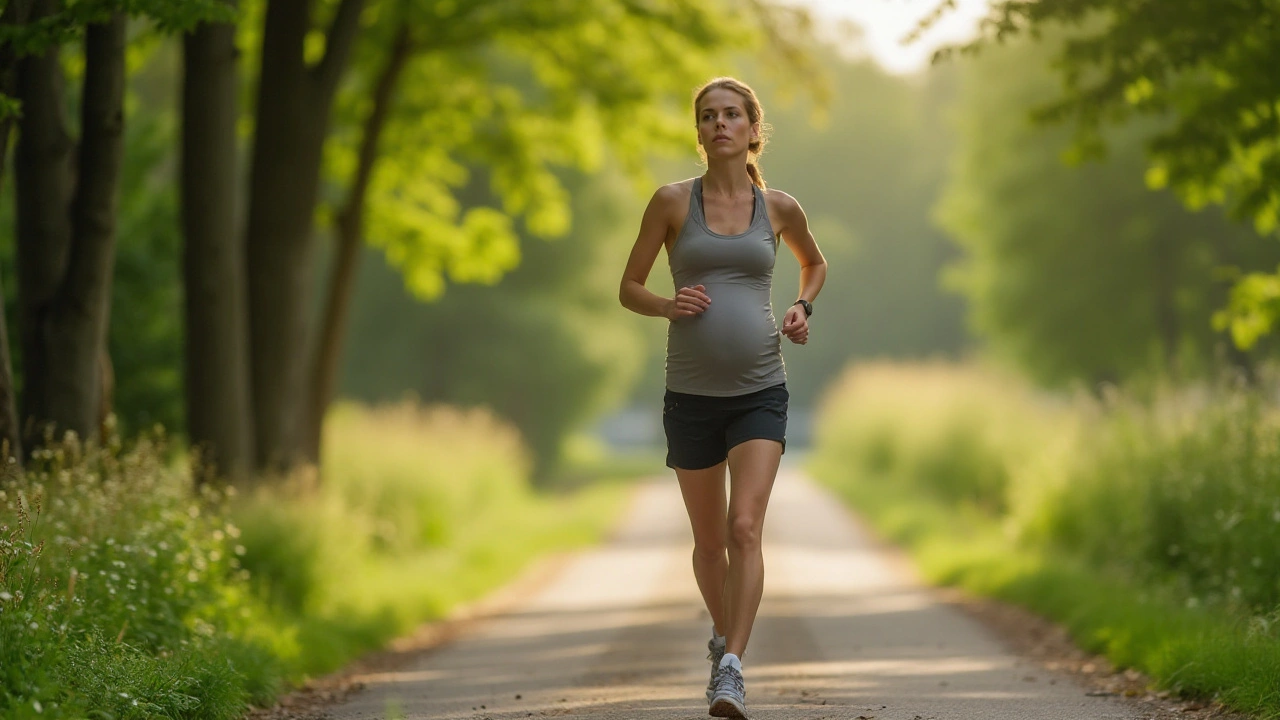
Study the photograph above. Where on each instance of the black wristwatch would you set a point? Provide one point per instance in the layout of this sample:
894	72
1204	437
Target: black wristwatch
808	306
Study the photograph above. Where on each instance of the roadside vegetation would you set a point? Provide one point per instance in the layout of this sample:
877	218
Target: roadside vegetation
126	594
1148	525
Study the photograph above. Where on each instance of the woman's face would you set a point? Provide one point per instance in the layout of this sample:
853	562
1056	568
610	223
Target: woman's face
723	126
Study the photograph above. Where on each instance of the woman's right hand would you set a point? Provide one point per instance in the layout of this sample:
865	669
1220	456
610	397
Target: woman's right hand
689	301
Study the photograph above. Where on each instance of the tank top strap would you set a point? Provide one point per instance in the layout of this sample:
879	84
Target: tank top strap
695	203
761	212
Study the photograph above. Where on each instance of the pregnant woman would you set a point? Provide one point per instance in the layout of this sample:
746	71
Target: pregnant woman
726	400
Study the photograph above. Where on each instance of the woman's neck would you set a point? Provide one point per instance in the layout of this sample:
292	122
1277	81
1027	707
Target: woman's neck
727	179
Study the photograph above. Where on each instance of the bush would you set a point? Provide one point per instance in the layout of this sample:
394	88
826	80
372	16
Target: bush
1151	526
1182	487
113	578
127	593
956	434
418	509
1185	489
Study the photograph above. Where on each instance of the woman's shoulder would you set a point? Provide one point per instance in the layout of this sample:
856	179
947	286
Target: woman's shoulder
780	203
678	190
673	197
780	199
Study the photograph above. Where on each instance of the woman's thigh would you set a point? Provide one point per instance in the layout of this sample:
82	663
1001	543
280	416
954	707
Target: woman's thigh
753	465
705	501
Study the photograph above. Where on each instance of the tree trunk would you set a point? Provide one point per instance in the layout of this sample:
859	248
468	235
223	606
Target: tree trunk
107	395
42	170
349	228
10	431
66	235
217	359
294	102
87	288
1168	325
15	14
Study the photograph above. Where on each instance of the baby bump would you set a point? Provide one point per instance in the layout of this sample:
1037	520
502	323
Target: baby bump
732	336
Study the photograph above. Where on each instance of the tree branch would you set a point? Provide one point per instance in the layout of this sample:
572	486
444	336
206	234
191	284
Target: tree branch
350	232
338	43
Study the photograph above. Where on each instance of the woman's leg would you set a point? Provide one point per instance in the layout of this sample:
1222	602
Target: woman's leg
704	499
753	465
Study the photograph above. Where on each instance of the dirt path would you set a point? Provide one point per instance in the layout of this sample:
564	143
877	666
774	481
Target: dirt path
844	632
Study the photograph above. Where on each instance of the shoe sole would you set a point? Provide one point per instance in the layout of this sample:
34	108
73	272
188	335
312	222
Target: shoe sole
727	708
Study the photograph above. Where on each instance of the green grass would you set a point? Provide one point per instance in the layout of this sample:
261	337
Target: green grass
418	512
1093	498
125	594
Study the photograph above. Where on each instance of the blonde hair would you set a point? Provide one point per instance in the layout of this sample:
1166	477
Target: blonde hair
755	114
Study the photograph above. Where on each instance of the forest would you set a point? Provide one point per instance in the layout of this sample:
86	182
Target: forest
296	264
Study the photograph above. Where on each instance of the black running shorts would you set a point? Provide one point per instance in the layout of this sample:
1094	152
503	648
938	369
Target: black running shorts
701	429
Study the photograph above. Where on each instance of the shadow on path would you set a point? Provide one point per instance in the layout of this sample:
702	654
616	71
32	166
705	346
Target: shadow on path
620	633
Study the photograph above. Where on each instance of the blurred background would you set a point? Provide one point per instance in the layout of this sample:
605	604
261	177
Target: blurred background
479	170
376	201
311	327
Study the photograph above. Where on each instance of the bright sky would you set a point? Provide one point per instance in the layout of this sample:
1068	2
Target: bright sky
886	22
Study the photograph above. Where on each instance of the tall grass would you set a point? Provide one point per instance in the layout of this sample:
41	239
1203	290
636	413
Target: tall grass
127	593
1151	527
116	581
418	510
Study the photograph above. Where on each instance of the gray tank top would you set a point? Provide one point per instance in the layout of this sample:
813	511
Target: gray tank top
734	347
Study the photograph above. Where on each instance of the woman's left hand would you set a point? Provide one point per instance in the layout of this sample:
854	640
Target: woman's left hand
795	325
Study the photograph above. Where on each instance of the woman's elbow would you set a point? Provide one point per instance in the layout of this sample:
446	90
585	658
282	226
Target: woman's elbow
624	293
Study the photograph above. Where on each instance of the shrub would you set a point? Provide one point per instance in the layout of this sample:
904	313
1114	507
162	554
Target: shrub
113	577
1179	488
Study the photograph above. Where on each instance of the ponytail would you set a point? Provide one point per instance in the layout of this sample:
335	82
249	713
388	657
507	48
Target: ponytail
753	169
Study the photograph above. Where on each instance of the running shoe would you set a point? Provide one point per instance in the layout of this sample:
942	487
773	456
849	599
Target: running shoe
730	698
715	647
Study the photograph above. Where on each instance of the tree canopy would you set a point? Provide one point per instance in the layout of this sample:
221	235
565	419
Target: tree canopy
1078	273
1205	70
498	94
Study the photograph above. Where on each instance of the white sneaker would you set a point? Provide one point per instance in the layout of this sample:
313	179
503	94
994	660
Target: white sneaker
730	697
715	653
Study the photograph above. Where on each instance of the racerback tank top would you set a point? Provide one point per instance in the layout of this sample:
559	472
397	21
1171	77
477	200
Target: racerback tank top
733	347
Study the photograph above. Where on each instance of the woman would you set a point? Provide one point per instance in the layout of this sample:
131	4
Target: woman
726	400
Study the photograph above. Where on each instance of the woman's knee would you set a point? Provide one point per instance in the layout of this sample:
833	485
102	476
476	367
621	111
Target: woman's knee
744	532
709	551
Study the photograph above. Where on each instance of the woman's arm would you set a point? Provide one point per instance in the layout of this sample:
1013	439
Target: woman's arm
654	227
813	267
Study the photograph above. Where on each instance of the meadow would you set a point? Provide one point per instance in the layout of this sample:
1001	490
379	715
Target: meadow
1148	523
128	591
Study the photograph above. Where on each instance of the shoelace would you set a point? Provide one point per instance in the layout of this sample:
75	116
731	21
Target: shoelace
731	677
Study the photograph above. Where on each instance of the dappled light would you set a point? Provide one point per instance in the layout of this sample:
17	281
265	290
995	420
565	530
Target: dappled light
330	321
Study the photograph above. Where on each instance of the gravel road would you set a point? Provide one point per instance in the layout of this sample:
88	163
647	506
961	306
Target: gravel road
844	632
